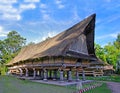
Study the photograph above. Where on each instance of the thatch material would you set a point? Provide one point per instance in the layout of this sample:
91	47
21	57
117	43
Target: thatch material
97	62
108	67
79	38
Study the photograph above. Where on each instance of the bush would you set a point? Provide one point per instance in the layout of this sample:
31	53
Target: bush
3	70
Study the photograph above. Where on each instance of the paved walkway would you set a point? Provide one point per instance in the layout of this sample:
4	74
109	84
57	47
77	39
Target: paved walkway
63	83
114	86
56	82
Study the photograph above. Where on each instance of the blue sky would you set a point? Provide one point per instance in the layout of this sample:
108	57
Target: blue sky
37	19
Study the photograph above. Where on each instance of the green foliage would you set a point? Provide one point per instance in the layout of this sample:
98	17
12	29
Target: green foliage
10	47
118	66
31	43
101	89
113	78
9	84
100	52
109	53
118	38
3	69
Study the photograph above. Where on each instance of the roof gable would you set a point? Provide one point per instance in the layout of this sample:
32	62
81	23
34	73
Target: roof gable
60	44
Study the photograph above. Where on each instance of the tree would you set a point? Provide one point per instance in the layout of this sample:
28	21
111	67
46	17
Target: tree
118	66
109	53
10	46
30	43
117	45
118	38
100	52
14	41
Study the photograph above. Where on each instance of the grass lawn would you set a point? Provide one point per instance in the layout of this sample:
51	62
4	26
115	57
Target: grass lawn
113	78
101	89
10	84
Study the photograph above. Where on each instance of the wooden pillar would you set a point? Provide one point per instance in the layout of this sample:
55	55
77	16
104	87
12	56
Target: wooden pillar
69	75
61	75
34	73
45	74
50	74
83	75
26	74
21	72
42	74
55	74
39	73
77	76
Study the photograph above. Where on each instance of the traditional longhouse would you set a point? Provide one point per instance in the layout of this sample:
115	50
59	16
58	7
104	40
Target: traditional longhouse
60	57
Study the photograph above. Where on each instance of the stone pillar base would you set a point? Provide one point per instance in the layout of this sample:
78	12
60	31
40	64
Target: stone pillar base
77	79
61	76
54	79
77	76
45	79
69	76
45	75
83	76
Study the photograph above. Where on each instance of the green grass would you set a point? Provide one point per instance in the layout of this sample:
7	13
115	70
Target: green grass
86	85
113	78
90	84
10	84
101	89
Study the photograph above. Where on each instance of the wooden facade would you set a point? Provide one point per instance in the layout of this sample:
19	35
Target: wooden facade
68	54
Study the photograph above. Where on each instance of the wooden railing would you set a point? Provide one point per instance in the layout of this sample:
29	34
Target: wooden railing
93	73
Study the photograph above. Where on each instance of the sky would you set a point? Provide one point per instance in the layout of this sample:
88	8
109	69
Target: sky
38	19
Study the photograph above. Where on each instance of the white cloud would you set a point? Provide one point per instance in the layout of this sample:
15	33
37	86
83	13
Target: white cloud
7	9
2	32
9	12
43	6
59	4
49	34
8	16
31	1
45	36
58	1
46	16
75	14
8	1
27	6
112	35
44	11
1	29
113	18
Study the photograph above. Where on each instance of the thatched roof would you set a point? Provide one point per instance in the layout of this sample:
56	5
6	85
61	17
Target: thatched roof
78	39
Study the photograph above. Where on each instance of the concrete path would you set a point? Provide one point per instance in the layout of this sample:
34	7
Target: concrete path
114	86
63	83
